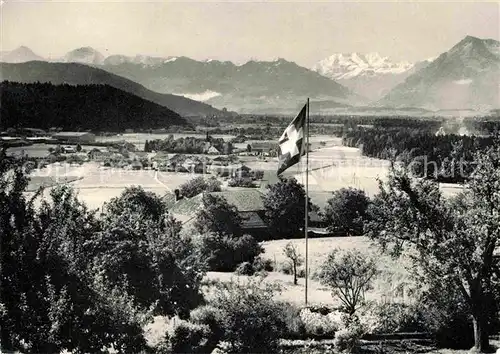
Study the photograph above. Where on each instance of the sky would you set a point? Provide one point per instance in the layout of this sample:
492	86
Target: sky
303	32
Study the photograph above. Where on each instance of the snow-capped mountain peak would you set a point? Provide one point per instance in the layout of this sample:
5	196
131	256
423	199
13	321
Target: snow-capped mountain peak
348	65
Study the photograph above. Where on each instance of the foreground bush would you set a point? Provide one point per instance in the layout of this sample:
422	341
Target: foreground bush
249	316
213	318
245	268
347	340
51	298
190	338
319	325
224	253
398	317
263	264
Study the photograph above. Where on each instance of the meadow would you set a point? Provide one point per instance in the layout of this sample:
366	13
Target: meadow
391	285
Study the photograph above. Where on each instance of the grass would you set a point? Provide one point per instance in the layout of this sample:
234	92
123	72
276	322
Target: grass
392	284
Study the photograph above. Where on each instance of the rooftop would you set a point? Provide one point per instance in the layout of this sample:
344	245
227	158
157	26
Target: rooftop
246	201
264	145
243	199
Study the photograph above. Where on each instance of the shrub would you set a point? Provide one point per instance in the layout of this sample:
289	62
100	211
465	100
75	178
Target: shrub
294	325
224	253
213	318
250	321
301	273
245	268
260	264
241	182
189	338
447	316
286	268
259	174
397	317
346	341
318	325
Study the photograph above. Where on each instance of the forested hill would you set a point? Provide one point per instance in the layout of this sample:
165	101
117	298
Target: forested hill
80	107
79	74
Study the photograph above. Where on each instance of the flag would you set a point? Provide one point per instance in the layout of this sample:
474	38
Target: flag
291	143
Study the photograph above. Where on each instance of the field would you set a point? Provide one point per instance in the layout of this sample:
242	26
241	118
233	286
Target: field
332	166
392	283
96	185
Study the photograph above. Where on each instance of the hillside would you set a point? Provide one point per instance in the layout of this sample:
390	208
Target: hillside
79	74
466	76
81	107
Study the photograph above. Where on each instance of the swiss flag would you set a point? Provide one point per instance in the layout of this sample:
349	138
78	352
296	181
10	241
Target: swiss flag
291	143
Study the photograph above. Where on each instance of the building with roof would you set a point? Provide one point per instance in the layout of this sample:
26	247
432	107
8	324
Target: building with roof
265	148
74	137
248	202
213	151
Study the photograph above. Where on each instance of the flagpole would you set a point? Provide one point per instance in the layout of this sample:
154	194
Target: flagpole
306	219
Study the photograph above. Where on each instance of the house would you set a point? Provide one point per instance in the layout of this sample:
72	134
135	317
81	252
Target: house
74	137
264	148
68	150
220	161
242	171
136	165
248	202
213	151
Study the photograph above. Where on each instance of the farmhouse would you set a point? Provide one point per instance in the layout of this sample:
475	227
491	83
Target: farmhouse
248	202
265	148
74	137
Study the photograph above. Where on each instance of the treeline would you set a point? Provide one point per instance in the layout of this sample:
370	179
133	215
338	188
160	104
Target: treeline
446	158
188	145
80	107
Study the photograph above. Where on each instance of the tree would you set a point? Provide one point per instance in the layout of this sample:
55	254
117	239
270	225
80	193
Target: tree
78	148
50	300
349	275
199	184
218	216
137	200
224	253
450	240
285	204
150	260
294	257
346	211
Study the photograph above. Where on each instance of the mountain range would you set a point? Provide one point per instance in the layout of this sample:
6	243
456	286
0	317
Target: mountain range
369	75
80	74
466	76
256	86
